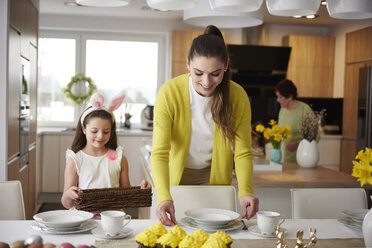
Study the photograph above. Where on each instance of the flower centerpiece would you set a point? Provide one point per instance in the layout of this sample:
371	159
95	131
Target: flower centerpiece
362	169
275	134
307	155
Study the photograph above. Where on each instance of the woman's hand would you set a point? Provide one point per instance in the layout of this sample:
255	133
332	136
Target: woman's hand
70	196
245	202
165	208
292	146
145	185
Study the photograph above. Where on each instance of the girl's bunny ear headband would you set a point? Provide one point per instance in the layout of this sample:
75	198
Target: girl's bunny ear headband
96	102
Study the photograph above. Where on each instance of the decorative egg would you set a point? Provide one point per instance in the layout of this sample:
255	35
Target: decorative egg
34	239
18	244
49	245
83	246
66	245
35	246
4	245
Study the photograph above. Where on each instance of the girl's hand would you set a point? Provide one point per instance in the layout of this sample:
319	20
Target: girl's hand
145	185
70	196
245	202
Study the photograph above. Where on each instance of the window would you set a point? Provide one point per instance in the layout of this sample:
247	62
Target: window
129	63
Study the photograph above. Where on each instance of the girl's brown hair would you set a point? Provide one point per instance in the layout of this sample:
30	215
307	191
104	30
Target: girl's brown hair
212	44
80	140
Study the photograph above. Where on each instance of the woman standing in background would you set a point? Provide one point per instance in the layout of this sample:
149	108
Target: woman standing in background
290	114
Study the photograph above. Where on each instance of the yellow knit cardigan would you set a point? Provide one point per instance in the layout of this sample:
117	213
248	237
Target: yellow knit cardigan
171	140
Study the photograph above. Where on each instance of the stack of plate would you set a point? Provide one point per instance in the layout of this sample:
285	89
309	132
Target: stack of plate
353	218
212	219
64	221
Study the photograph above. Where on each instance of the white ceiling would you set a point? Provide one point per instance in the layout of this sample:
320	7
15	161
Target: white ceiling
140	9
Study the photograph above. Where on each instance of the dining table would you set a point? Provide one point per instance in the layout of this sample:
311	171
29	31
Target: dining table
329	233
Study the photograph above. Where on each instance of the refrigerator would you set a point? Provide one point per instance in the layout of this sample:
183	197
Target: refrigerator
364	129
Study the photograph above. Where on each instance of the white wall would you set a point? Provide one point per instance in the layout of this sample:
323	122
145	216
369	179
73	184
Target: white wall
3	89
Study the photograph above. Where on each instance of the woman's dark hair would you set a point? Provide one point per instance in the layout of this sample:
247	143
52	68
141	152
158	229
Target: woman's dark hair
286	88
212	44
80	140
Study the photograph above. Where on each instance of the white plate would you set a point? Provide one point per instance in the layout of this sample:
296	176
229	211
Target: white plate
351	224
212	216
256	231
99	233
63	218
190	223
357	214
86	226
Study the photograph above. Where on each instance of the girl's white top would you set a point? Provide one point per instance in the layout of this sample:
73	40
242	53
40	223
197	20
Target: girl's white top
97	172
202	127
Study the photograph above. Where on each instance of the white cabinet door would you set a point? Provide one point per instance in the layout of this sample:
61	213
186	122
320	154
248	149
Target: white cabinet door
329	151
131	145
65	142
50	163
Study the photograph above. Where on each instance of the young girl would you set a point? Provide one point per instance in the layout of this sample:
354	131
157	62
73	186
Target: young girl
95	159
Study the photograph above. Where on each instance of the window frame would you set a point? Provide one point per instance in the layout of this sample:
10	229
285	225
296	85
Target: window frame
162	39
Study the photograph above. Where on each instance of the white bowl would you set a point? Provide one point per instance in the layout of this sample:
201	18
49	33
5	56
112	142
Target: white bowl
63	218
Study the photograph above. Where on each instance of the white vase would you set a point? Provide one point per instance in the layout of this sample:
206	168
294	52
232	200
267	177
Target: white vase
307	154
367	229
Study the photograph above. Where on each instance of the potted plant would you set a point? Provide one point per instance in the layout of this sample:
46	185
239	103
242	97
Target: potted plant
362	169
275	134
307	155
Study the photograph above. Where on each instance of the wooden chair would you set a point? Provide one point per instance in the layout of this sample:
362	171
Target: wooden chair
11	203
326	203
187	197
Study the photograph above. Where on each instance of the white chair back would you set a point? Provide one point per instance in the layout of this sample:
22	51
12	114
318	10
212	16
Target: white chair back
187	197
326	203
11	204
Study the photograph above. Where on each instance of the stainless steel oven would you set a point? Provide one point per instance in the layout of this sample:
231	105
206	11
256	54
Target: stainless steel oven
24	114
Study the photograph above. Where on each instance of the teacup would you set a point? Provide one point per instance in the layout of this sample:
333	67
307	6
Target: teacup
267	219
113	221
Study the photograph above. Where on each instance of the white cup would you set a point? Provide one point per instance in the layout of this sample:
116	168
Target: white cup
267	219
113	221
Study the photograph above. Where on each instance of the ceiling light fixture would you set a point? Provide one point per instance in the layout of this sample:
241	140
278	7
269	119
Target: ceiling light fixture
172	4
236	5
346	9
293	7
202	15
103	3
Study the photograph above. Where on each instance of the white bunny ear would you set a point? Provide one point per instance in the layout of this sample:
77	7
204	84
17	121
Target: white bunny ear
97	100
116	102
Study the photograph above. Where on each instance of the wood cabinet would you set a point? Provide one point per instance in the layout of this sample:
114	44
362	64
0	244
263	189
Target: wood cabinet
33	94
358	55
181	42
311	64
14	77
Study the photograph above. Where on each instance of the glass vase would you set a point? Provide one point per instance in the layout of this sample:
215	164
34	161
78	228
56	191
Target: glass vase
276	155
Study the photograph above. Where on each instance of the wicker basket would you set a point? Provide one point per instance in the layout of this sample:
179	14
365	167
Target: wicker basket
93	200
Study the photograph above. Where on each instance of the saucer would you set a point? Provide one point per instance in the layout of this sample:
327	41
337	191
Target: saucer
256	231
86	226
99	233
190	223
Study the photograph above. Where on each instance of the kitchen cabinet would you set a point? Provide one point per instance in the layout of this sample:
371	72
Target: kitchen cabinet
358	54
33	94
50	163
181	42
311	64
31	204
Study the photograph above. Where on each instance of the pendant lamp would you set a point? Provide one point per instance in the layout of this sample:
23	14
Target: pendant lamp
293	7
236	5
172	4
346	9
202	15
103	3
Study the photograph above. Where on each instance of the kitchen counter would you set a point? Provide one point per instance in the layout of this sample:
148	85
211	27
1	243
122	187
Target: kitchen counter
70	131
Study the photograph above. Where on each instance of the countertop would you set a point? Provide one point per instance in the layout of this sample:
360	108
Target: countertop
70	131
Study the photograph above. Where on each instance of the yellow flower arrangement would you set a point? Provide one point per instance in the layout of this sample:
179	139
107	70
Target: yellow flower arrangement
275	133
363	168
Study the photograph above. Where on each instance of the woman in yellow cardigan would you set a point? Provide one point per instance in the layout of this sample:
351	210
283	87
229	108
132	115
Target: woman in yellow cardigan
202	125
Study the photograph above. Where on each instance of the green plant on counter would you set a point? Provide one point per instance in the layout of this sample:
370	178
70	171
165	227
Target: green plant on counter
75	81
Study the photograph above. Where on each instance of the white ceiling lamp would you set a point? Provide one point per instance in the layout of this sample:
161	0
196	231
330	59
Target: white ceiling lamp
293	7
347	9
236	5
103	3
172	4
202	15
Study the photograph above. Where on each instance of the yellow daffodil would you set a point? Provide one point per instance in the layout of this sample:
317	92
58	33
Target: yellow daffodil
275	134
362	169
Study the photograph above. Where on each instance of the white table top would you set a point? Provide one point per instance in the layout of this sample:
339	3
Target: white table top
11	231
